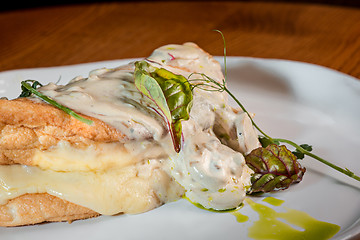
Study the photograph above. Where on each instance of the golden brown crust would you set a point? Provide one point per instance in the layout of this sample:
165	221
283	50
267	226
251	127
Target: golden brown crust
26	125
41	207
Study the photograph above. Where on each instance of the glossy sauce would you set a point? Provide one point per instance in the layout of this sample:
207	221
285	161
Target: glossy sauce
211	173
111	96
241	218
291	224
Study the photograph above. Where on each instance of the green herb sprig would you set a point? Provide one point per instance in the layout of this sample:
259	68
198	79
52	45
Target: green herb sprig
28	89
209	84
171	93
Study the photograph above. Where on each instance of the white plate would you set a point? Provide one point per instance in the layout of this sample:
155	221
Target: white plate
303	102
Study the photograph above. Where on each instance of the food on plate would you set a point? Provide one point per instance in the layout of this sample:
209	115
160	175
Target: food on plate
129	139
57	168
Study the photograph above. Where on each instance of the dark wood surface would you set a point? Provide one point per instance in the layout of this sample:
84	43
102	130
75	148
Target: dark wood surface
328	35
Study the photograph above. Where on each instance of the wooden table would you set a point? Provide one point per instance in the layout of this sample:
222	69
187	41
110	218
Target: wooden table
71	34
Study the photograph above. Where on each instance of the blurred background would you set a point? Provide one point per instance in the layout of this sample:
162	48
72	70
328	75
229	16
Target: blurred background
28	4
52	33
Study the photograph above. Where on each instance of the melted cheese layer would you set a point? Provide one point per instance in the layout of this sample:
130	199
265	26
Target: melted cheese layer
65	158
125	185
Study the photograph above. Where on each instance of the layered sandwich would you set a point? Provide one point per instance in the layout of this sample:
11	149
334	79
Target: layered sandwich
127	158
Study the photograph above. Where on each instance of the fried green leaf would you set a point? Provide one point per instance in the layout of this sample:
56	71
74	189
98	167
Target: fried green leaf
275	168
171	94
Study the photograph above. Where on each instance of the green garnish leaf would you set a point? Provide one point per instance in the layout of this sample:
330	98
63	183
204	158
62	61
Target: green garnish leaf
307	147
28	89
25	91
266	142
171	93
275	167
301	155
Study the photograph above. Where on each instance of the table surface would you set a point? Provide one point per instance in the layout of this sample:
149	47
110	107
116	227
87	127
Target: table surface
79	33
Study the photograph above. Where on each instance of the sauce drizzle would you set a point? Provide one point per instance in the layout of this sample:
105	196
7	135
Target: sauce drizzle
280	225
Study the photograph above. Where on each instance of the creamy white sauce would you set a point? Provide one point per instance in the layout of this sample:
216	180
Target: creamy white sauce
111	96
210	172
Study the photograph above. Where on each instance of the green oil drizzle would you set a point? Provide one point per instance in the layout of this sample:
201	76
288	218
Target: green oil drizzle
270	227
240	217
273	201
211	209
